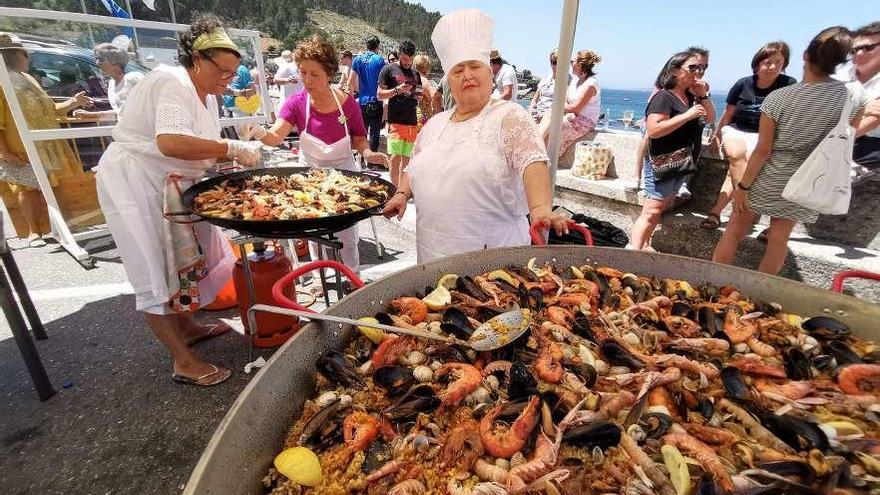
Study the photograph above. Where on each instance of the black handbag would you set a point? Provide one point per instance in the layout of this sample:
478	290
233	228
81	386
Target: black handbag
675	164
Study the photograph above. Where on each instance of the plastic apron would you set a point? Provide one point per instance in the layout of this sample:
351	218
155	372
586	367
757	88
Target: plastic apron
317	153
463	194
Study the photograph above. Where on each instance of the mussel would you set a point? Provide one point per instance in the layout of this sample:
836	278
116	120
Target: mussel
735	384
655	424
467	285
617	355
797	364
826	328
842	353
324	428
799	434
530	298
602	434
711	322
448	353
801	471
705	407
706	486
396	380
416	400
682	308
522	382
581	327
338	369
376	455
825	363
768	308
455	322
586	372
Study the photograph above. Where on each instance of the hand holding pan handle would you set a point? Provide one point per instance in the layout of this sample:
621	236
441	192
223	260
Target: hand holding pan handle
538	239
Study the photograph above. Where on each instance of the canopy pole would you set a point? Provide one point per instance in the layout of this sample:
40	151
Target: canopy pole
566	47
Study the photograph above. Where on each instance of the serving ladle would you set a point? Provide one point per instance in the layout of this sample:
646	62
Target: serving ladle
493	334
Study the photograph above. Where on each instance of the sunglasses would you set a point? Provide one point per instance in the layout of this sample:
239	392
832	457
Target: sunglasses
224	74
697	67
867	47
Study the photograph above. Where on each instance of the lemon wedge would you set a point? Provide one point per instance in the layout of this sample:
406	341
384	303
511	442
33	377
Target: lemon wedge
678	470
438	299
503	275
300	465
578	274
370	203
375	335
448	281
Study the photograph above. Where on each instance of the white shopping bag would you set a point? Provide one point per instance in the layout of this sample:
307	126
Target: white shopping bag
822	183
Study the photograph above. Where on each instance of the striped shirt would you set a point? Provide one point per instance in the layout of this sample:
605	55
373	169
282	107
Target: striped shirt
804	114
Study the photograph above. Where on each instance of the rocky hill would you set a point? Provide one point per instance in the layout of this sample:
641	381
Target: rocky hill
347	32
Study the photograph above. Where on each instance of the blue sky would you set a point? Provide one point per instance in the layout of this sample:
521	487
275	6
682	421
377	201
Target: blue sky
634	38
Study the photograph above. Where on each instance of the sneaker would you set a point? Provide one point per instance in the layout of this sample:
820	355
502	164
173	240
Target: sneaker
35	241
684	193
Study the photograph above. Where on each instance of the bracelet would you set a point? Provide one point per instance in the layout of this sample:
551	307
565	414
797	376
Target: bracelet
741	186
702	98
405	195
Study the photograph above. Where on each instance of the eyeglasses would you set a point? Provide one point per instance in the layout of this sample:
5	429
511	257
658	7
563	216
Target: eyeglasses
697	67
224	74
867	47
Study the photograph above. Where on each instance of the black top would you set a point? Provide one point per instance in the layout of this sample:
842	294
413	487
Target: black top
402	107
686	135
748	97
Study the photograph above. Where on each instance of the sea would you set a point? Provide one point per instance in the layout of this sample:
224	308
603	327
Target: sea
617	103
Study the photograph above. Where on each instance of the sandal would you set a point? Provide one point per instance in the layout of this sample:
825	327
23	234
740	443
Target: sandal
35	241
711	222
223	374
214	330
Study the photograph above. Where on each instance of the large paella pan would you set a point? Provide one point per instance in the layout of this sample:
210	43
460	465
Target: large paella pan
626	384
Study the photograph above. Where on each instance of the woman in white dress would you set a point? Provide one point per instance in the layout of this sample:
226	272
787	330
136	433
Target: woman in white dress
477	169
112	60
170	125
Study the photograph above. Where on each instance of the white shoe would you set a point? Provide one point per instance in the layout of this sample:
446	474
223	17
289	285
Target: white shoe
35	241
684	193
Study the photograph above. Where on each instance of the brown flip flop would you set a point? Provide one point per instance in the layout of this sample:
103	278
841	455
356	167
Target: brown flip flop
222	376
711	222
214	330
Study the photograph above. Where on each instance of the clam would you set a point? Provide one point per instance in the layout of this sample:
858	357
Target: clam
424	374
338	369
826	328
326	399
415	358
396	380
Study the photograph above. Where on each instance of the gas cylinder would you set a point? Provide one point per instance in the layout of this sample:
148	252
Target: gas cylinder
266	266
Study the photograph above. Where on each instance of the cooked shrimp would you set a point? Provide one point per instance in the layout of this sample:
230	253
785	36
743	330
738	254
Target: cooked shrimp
408	487
704	455
489	472
410	307
860	379
504	442
462	446
389	467
661	482
736	329
685	364
391	349
359	429
793	390
758	367
761	348
560	316
467	379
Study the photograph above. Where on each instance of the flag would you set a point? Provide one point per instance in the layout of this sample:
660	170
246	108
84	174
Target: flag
117	11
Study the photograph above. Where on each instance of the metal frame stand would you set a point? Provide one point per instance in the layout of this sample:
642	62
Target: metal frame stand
17	324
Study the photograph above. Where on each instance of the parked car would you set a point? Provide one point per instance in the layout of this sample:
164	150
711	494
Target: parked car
63	70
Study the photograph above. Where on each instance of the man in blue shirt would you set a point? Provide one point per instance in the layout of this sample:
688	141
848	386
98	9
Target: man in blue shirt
367	66
241	85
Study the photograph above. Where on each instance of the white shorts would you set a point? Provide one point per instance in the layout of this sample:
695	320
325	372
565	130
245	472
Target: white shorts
750	138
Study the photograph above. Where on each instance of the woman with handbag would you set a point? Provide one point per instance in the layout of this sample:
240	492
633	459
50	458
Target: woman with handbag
674	119
794	121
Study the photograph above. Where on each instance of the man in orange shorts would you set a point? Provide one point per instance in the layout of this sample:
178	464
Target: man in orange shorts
401	85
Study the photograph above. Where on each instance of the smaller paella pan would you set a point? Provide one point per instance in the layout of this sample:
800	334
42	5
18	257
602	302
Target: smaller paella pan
288	201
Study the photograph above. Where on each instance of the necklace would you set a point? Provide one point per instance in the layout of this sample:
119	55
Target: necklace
461	117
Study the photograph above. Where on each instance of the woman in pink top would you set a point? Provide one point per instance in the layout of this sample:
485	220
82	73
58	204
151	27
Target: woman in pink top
329	122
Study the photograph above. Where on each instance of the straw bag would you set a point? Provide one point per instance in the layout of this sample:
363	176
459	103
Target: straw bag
591	160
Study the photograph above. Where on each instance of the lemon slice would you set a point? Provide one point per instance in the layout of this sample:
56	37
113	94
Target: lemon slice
369	203
678	470
438	299
375	335
577	272
503	275
448	281
300	465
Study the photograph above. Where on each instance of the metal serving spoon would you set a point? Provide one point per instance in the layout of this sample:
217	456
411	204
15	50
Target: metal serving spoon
494	334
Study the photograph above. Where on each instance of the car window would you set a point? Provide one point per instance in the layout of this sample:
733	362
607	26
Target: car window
62	75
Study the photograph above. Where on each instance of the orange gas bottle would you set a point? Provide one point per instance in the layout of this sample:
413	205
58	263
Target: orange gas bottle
267	266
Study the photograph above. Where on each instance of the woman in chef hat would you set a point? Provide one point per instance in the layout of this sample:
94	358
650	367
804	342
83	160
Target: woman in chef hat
478	169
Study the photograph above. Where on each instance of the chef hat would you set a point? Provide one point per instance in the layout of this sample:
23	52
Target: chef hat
461	35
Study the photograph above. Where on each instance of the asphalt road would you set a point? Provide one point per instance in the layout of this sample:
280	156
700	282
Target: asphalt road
118	423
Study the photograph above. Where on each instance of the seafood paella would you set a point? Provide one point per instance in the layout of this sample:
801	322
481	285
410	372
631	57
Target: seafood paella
313	194
623	384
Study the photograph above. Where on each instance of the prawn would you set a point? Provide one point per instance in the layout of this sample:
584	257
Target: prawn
496	366
705	346
704	455
392	348
359	429
859	379
388	468
506	442
490	472
547	365
661	482
757	367
737	330
681	326
546	454
408	487
685	364
410	307
466	434
467	379
761	348
793	390
560	316
708	434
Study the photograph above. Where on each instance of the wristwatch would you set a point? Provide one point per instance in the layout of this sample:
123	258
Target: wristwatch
741	186
702	98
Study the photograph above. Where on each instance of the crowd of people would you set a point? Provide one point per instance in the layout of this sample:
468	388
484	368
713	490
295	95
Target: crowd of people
471	160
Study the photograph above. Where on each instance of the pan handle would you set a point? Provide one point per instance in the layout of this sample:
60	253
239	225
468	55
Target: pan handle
837	283
281	283
538	239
